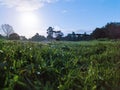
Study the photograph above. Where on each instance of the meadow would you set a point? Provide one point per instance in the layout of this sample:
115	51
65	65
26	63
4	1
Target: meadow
90	65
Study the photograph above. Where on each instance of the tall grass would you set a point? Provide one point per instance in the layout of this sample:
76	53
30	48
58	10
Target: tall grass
93	65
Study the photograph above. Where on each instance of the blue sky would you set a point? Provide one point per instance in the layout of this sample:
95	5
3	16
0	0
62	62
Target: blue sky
31	16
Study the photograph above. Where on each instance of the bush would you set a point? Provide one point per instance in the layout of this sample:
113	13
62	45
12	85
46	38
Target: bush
14	36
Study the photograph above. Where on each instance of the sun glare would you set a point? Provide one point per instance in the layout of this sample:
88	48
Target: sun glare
29	23
29	19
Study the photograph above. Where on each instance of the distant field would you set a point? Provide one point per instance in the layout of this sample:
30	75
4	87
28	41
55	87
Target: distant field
90	65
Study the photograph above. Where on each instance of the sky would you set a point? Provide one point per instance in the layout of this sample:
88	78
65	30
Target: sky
29	17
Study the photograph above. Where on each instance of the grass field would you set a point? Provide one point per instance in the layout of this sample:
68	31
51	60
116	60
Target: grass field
92	65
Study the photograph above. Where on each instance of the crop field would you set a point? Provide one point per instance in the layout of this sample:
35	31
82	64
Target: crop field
92	65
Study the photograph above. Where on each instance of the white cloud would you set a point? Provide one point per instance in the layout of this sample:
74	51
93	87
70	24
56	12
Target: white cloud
25	5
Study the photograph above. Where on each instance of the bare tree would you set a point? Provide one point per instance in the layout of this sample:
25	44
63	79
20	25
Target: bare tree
7	29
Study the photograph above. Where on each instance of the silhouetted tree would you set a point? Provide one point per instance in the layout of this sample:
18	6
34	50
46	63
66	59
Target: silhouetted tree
7	29
110	30
58	35
67	38
99	33
23	38
85	37
37	37
14	36
113	30
50	32
77	37
72	37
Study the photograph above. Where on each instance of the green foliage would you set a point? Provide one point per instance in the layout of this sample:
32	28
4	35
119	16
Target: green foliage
93	65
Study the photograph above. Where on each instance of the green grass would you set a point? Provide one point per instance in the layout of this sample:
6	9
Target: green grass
92	65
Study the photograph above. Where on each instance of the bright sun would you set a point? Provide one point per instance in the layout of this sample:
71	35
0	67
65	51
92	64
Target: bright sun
29	23
29	19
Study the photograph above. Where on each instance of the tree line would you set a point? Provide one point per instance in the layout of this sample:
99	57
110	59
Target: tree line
110	31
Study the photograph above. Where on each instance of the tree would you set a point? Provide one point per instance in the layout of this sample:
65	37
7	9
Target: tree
23	38
58	35
50	32
110	30
7	29
14	36
113	30
99	33
37	37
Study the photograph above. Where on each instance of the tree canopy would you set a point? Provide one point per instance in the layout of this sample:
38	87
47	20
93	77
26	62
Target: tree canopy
110	30
14	36
37	37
